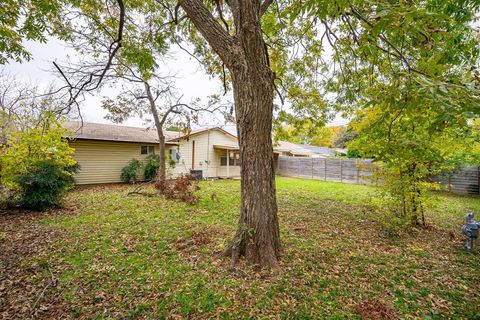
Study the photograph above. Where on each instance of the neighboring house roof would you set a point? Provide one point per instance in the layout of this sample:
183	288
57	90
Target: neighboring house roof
321	150
111	132
293	148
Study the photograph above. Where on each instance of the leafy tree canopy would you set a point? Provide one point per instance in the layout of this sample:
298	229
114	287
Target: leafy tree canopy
362	51
304	131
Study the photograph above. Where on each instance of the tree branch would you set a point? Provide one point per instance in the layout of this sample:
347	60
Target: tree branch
218	38
90	83
264	6
235	9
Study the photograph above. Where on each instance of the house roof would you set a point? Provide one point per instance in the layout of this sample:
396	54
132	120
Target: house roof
111	132
293	148
320	150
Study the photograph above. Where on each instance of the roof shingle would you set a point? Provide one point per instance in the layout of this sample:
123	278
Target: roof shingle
111	132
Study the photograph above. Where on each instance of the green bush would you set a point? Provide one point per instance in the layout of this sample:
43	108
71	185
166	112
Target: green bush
42	187
352	154
37	166
152	164
25	150
130	171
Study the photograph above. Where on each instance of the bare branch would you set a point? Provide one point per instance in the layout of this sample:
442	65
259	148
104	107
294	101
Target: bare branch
93	81
279	94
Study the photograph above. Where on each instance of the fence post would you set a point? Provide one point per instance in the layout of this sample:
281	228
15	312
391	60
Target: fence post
358	171
341	170
325	168
312	167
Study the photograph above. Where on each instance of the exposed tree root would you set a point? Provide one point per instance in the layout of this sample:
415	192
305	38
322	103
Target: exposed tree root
236	248
243	245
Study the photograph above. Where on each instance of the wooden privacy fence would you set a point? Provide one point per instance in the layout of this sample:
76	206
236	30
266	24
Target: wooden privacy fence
360	171
466	181
330	169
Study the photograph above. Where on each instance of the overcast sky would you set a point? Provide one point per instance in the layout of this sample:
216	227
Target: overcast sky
192	81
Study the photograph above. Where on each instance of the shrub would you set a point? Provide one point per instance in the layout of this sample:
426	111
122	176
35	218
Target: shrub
25	149
352	154
42	187
152	164
130	171
182	188
37	166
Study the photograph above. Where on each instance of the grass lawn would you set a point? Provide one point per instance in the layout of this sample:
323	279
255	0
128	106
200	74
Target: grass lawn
112	256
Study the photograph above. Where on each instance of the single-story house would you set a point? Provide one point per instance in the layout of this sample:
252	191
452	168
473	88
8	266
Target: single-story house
102	150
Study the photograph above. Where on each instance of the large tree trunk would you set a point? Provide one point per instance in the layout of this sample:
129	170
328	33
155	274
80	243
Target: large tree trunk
258	235
245	55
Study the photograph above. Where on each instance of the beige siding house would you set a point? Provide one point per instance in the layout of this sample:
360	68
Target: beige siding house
102	161
208	150
102	150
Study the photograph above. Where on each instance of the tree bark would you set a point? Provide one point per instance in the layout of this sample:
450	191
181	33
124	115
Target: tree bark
258	236
245	55
161	177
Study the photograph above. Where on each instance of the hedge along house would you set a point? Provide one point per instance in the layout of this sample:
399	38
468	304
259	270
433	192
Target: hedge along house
102	150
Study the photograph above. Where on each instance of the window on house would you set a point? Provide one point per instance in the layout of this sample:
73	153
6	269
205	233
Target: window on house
233	160
223	161
147	150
